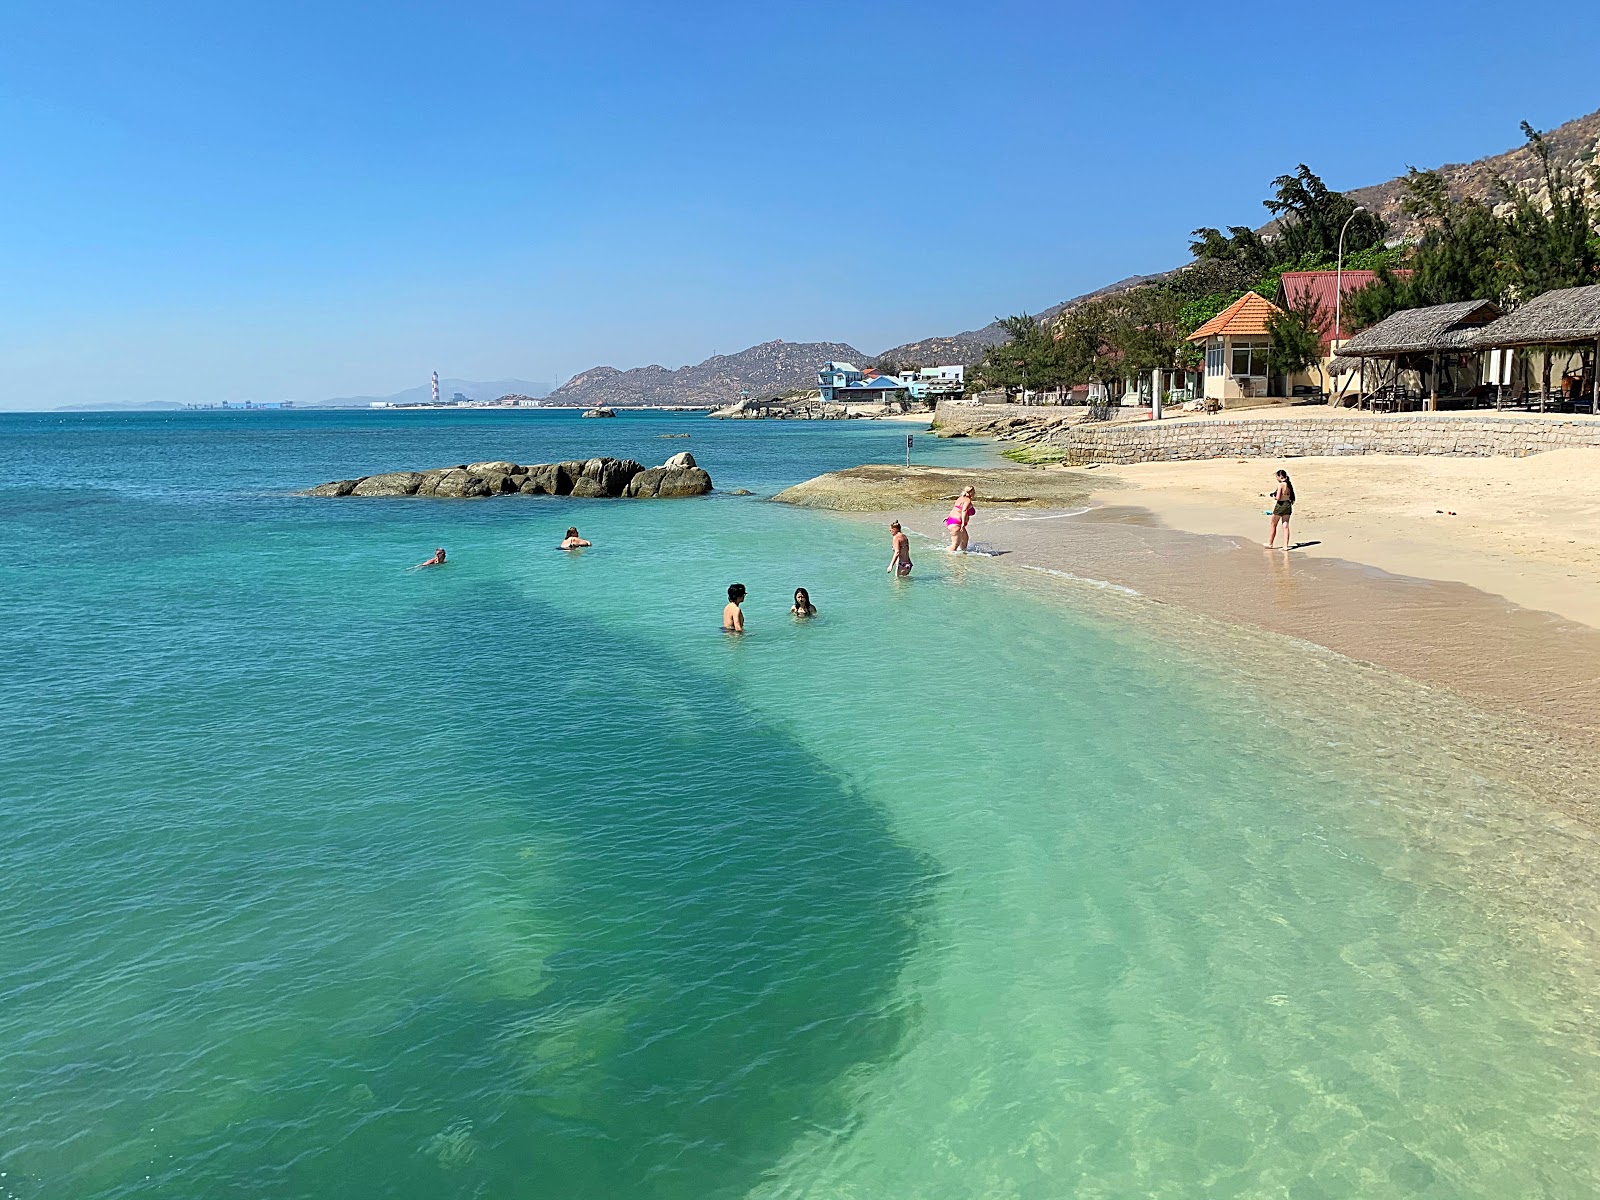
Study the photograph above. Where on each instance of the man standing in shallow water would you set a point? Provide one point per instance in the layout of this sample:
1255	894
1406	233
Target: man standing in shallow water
900	563
732	614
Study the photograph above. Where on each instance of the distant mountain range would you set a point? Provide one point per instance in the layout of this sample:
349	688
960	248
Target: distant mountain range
123	406
1575	144
472	390
763	370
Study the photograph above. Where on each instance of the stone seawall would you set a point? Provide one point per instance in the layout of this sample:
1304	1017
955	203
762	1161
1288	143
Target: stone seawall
1461	435
1426	433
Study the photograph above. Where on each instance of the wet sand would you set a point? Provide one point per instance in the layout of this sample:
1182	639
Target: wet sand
1539	671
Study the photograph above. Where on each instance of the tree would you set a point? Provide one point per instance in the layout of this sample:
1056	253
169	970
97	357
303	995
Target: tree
1143	329
1241	247
1310	217
1368	305
1296	334
1461	253
1030	357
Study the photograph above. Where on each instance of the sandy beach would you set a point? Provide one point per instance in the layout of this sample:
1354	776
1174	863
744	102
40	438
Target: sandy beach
1527	529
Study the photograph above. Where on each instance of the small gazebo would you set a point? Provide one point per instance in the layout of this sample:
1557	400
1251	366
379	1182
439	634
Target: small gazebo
1238	347
1566	320
1438	342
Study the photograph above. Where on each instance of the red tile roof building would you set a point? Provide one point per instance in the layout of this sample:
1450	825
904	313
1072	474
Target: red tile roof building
1297	288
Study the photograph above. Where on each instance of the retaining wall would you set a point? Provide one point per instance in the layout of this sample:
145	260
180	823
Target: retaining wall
1424	433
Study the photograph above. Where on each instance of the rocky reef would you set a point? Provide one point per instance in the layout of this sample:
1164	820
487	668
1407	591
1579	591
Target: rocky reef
595	477
882	488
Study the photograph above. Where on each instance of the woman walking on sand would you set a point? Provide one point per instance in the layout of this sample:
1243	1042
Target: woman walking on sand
958	520
1282	509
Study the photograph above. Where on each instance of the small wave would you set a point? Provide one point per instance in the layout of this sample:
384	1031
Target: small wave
1074	512
1099	583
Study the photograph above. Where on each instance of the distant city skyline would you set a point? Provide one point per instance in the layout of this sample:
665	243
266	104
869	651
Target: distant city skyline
297	202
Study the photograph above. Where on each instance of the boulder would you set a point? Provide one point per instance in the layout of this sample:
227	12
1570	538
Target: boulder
568	473
683	481
499	482
646	484
682	459
395	483
483	468
339	487
588	487
542	480
615	473
448	482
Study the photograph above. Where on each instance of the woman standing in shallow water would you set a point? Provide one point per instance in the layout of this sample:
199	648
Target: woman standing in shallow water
1282	509
960	516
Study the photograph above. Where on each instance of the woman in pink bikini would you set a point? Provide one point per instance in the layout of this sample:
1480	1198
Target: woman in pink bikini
956	523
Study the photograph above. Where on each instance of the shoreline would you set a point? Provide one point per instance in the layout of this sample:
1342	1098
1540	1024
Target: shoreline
1496	605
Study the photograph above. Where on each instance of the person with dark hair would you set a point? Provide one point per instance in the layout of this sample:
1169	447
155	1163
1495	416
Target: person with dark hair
900	561
732	614
572	541
436	561
1282	509
802	604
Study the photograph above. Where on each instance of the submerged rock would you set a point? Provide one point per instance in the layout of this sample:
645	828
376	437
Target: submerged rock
595	478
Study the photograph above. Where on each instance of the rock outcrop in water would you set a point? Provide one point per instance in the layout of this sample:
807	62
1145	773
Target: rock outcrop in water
595	477
883	488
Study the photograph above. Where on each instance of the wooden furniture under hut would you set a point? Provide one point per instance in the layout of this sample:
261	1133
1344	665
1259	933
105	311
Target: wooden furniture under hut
1437	344
1560	324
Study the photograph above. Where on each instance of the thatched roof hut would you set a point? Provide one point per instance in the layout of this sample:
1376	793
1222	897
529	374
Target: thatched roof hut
1442	327
1557	318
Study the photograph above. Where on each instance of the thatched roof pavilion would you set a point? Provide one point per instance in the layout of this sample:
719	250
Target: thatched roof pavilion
1559	318
1440	328
1566	318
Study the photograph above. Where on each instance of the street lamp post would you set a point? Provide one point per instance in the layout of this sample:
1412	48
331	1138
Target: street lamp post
1338	275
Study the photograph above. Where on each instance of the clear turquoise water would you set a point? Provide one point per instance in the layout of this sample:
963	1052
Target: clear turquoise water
519	879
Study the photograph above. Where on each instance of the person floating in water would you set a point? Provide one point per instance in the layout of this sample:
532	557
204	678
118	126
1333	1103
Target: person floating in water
436	561
960	516
900	561
572	541
733	615
1282	510
802	604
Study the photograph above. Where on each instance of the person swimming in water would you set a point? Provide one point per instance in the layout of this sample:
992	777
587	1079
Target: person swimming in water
802	604
900	561
436	561
572	541
732	614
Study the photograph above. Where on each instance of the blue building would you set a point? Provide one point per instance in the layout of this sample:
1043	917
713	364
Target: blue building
844	383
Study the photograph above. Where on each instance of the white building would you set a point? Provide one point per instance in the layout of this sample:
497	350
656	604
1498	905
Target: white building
934	383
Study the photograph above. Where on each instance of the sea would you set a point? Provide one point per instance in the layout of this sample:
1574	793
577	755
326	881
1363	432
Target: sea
518	878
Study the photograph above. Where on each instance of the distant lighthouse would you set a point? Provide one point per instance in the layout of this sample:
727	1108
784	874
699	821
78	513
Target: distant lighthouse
436	387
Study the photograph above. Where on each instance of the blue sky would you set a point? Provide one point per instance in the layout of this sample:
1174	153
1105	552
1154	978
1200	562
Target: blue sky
206	201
